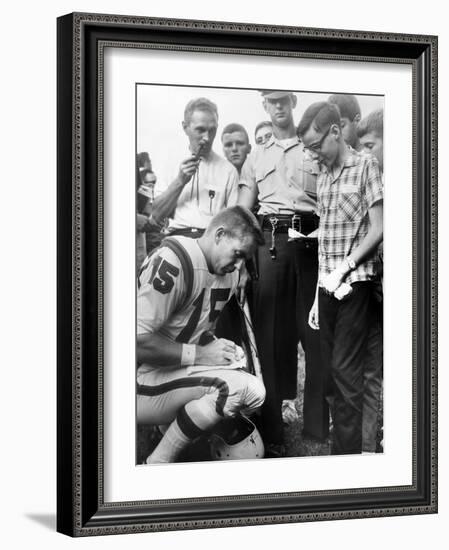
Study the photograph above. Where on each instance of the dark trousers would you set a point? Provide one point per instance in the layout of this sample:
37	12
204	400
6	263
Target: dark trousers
230	323
282	298
373	374
344	327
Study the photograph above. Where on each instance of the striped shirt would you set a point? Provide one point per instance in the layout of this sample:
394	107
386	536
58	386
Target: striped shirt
344	199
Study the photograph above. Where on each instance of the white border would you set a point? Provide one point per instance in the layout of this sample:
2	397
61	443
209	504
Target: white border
123	481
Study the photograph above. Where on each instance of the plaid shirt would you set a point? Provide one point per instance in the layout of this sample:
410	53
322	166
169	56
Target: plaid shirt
343	203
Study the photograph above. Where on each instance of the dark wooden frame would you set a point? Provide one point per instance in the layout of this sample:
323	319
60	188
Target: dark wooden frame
81	510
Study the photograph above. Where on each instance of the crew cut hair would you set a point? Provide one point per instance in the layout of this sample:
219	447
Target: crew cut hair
374	122
199	104
234	127
321	115
237	222
347	104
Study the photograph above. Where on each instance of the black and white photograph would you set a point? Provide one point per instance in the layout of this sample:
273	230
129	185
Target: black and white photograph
259	273
246	312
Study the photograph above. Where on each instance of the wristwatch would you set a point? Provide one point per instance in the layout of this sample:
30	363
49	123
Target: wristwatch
351	263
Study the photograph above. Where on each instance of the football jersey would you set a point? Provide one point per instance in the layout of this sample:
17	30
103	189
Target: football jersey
177	296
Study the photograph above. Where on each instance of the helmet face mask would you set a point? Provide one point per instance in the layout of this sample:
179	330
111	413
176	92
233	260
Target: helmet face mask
236	439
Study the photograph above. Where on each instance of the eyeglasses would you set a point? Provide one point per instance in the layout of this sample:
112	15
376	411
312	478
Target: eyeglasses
316	147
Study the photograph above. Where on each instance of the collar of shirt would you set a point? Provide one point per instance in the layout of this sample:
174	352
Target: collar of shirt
352	159
284	144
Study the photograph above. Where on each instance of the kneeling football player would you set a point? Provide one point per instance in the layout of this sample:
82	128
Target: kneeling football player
184	382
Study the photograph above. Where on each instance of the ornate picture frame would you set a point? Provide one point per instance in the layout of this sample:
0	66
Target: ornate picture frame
81	508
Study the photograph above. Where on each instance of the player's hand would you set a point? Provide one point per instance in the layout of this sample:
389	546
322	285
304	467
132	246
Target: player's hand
313	316
239	353
218	352
187	168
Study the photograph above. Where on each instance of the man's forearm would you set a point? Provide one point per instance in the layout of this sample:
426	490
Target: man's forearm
373	238
155	349
247	197
367	246
332	281
164	205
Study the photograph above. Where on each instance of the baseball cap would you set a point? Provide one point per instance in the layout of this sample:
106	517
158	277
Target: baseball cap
275	94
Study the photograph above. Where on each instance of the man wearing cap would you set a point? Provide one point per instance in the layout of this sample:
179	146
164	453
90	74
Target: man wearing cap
203	183
282	180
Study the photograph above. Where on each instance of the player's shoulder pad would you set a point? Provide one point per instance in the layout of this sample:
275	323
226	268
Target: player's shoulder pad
186	262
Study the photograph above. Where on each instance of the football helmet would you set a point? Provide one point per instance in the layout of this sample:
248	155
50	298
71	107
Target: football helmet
236	438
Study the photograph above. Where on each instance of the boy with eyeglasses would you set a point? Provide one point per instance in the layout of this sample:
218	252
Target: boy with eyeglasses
350	204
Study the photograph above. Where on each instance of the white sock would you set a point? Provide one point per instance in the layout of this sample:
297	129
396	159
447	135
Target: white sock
173	442
197	417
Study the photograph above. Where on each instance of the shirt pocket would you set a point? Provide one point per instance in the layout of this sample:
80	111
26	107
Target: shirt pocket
211	202
266	181
263	173
349	205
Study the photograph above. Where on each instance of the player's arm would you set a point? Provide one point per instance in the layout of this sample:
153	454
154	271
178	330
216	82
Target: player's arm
165	204
155	349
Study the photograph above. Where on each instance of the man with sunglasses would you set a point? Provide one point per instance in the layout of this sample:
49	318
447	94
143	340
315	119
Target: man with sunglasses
282	180
350	202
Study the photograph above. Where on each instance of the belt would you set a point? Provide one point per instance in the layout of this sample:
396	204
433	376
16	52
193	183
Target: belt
304	223
274	223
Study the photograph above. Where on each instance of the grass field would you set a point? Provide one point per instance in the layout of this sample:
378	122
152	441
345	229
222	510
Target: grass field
295	444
